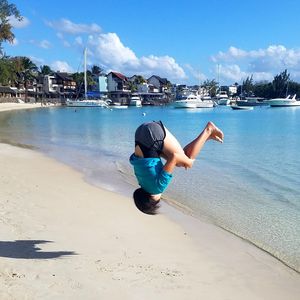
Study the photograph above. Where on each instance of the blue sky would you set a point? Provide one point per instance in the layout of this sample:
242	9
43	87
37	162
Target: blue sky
185	41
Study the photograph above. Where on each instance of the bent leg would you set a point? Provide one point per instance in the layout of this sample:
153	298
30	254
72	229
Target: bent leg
172	146
211	131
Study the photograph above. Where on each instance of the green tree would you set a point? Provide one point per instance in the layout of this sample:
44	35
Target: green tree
96	70
211	86
280	84
27	71
132	86
294	88
247	86
263	89
7	10
139	79
8	73
79	79
45	70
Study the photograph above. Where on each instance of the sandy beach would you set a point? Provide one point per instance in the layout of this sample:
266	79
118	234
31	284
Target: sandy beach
62	238
16	106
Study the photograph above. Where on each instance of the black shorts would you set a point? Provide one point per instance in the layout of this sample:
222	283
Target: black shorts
150	138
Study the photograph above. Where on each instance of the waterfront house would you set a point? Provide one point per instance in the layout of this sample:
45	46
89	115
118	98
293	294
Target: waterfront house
162	84
118	87
99	87
59	85
6	93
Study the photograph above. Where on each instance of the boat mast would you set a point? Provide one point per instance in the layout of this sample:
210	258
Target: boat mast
85	79
219	92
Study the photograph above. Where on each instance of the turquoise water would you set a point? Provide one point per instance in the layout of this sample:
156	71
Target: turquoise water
250	185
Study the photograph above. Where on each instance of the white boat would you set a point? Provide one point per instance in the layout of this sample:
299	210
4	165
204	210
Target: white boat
237	107
86	102
205	104
193	101
223	101
284	102
251	101
118	105
135	100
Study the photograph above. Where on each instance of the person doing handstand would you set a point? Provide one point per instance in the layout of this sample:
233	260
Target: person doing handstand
153	141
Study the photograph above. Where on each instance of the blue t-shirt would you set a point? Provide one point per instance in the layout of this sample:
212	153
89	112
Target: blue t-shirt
150	174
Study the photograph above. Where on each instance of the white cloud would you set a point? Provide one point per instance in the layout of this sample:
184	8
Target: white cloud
79	41
196	73
262	63
37	60
61	66
67	26
44	44
108	50
271	58
15	42
18	24
66	44
63	40
233	73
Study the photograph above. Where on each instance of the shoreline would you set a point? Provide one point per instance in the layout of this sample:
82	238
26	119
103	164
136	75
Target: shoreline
18	106
171	262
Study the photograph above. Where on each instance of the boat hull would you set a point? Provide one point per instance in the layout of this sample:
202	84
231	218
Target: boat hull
250	103
184	104
237	107
137	103
85	103
205	104
283	103
223	101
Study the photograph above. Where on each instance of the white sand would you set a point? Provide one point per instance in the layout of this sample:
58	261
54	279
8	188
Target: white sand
101	247
15	106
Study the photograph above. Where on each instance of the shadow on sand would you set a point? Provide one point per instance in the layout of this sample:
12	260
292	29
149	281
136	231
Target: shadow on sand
27	249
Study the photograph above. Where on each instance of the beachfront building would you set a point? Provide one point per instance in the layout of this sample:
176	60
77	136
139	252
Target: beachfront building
162	84
232	89
164	87
118	87
99	88
7	92
59	85
103	85
149	93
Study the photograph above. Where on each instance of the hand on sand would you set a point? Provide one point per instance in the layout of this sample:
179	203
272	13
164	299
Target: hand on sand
216	134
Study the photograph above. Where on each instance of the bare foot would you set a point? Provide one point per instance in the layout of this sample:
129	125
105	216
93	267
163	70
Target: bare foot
216	133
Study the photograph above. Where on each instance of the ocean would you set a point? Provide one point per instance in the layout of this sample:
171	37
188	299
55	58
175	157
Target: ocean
249	185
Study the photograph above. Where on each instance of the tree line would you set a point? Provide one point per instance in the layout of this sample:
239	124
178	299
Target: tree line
280	86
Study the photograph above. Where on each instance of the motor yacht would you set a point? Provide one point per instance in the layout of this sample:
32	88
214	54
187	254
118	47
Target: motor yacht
135	100
193	101
284	102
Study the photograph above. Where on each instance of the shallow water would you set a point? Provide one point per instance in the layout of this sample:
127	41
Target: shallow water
250	185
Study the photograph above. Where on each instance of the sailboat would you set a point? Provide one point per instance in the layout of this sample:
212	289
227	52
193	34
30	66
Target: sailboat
86	102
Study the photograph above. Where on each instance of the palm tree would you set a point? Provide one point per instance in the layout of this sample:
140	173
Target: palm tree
45	70
7	10
96	70
28	72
